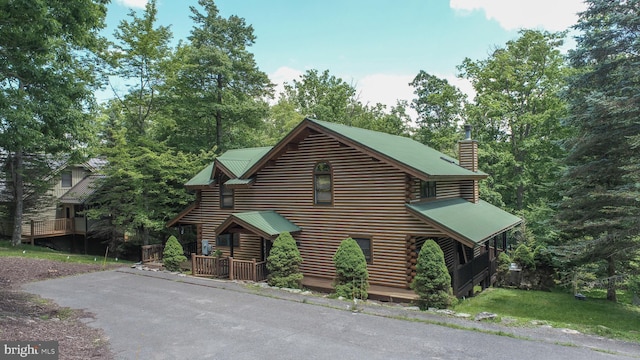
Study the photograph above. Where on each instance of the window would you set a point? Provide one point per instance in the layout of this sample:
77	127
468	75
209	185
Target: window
365	245
225	239
322	183
427	189
66	179
226	194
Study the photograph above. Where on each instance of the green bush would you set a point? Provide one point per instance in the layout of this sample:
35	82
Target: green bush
173	254
352	277
502	271
432	282
634	288
284	262
523	256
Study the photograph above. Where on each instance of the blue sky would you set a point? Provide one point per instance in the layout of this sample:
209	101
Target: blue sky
376	45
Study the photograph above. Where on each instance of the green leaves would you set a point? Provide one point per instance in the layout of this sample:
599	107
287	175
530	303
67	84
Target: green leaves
352	277
432	282
283	263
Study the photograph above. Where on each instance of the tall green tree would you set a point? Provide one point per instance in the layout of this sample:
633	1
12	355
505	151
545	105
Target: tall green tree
138	57
600	211
440	108
517	117
216	78
46	78
322	96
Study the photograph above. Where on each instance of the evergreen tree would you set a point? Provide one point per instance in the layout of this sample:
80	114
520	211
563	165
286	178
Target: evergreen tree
600	211
173	254
284	262
432	282
352	277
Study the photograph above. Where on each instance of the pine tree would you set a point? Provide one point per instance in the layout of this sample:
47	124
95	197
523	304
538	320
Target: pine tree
600	212
173	254
284	262
352	277
432	282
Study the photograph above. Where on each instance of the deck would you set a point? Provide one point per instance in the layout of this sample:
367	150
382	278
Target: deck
37	229
376	292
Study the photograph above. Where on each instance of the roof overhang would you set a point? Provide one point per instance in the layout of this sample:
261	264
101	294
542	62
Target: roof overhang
267	224
239	183
469	223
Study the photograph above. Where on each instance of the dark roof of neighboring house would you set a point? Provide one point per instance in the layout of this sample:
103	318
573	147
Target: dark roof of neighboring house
408	154
469	223
81	191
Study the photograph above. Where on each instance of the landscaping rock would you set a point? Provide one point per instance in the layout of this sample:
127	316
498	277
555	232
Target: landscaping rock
485	316
445	311
463	315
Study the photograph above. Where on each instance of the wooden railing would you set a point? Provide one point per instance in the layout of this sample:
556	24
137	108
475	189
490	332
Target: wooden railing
209	266
151	253
228	268
467	275
35	228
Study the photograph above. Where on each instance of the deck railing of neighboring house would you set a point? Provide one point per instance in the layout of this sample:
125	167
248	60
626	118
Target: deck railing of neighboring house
228	268
152	253
42	228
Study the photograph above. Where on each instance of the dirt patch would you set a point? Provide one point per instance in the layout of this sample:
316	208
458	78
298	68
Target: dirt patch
25	317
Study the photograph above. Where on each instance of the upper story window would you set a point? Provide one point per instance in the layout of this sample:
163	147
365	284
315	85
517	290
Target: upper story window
67	179
427	189
226	194
322	183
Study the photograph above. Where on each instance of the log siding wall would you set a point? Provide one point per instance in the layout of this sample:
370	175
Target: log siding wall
369	197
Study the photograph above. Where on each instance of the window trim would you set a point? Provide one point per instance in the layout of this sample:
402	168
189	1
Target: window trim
227	242
316	174
232	195
369	238
431	188
62	179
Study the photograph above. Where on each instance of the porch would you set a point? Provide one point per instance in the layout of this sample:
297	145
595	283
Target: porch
38	229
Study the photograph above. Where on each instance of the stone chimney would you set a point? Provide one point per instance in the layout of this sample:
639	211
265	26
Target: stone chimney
468	159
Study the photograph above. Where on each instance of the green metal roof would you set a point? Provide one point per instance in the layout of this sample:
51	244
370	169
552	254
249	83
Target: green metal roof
240	160
232	182
203	178
266	223
402	149
237	161
471	222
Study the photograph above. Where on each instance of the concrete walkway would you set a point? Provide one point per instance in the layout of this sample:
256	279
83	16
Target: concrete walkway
158	315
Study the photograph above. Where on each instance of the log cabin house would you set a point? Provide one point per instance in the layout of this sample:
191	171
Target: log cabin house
325	182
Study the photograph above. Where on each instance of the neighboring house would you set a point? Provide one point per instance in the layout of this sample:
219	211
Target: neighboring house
60	215
325	182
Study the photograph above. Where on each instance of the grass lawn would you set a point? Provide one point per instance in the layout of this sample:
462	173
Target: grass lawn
39	252
596	315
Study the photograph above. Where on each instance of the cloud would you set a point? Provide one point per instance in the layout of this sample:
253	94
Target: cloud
281	75
552	15
138	4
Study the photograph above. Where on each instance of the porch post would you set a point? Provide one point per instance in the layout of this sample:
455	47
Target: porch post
504	241
231	267
255	270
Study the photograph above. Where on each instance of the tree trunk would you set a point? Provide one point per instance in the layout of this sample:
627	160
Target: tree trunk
18	192
611	282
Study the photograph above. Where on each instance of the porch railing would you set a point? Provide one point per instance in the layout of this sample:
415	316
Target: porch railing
152	253
228	268
467	275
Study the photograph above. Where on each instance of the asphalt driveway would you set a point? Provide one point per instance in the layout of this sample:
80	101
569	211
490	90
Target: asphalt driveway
164	316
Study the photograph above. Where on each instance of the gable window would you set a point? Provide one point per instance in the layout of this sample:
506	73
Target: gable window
66	179
365	246
225	239
427	189
322	183
226	194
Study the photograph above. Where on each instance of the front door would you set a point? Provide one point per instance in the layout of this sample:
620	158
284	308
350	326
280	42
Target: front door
266	248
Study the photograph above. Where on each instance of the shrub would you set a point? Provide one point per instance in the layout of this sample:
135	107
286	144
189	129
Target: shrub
634	289
352	277
283	263
502	271
523	256
173	254
432	282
